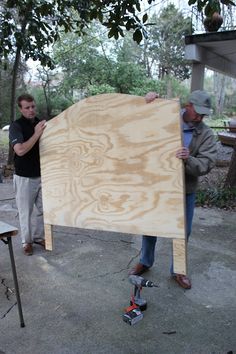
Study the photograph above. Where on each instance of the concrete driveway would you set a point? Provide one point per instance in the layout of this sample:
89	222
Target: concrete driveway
73	297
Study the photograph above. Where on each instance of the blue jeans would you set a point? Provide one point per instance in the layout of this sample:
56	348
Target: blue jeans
149	242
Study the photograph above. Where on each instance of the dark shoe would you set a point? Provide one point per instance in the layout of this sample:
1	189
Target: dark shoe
41	243
28	249
138	269
182	280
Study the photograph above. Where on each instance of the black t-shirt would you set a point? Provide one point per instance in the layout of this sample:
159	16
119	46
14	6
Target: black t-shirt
20	131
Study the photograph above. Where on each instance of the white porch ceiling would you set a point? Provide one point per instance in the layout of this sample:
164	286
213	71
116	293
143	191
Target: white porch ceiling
215	50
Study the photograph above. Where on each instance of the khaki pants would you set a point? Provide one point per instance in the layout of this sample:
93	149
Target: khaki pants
29	195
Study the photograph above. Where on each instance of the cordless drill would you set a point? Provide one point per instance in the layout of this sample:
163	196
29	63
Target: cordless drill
133	313
139	283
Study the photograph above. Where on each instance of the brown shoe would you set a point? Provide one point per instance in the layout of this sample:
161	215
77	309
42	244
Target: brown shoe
183	281
28	249
138	269
41	243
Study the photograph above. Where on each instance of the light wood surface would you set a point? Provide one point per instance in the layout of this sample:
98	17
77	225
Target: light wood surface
48	237
108	162
180	256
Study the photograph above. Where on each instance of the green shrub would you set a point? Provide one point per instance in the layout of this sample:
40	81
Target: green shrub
4	140
217	197
99	89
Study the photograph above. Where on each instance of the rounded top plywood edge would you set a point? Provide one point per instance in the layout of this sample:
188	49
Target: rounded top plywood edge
104	110
108	162
108	100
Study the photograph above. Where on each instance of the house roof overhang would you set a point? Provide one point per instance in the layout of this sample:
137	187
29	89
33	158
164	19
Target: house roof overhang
215	50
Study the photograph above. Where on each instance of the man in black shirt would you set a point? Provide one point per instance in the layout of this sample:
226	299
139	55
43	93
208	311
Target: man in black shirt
24	135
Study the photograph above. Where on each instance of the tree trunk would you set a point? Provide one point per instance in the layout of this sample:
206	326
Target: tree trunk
219	91
13	99
13	88
48	106
230	181
169	92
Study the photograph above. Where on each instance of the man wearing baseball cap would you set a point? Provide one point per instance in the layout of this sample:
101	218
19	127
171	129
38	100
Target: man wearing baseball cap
199	156
201	102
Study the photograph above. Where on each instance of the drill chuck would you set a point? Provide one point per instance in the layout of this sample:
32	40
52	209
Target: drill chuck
140	281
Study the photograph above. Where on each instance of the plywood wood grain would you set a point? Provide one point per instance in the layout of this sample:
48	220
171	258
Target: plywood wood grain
179	256
108	162
48	237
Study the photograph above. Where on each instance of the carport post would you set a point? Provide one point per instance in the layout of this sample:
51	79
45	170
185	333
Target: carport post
197	76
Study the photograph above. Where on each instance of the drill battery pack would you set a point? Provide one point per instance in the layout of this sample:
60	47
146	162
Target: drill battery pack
132	315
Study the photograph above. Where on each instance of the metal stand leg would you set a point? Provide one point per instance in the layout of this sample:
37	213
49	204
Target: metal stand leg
22	323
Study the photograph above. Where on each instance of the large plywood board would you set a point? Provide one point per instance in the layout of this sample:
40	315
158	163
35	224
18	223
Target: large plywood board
108	162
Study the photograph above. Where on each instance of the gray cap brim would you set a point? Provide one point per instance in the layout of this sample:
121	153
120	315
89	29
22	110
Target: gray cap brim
202	110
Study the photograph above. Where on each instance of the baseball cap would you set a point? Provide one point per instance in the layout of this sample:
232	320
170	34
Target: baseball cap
201	102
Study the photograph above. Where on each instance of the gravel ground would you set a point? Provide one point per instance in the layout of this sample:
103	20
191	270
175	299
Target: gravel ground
224	152
216	178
